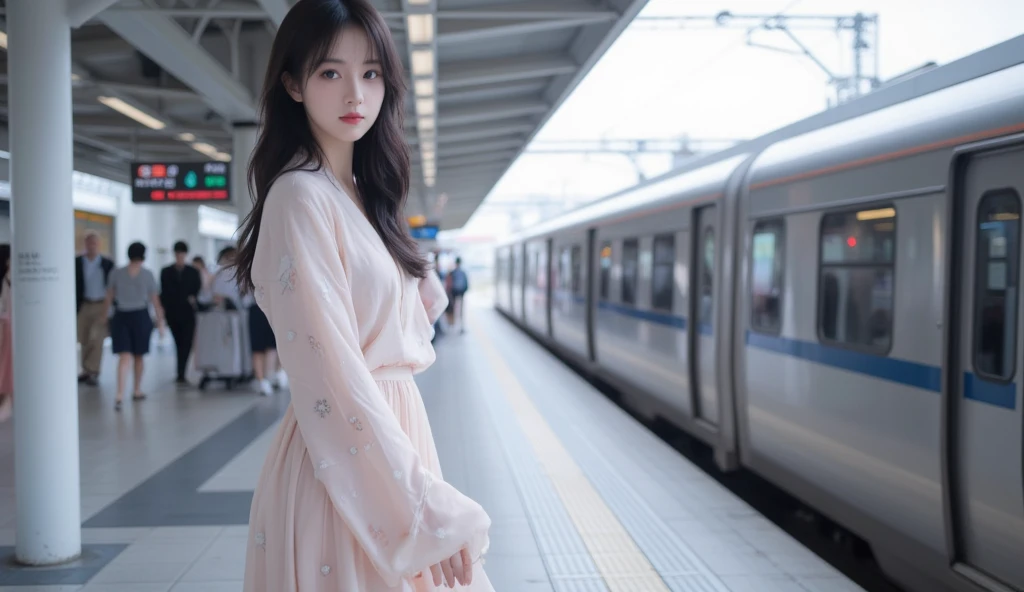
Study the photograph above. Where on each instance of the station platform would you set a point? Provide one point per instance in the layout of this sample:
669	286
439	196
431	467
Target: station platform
582	496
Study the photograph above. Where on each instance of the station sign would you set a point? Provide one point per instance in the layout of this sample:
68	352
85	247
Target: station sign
181	182
425	232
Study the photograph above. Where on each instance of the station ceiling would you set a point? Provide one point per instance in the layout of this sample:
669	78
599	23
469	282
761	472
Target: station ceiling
484	77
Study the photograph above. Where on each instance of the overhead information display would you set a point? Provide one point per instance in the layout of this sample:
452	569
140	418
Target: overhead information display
170	182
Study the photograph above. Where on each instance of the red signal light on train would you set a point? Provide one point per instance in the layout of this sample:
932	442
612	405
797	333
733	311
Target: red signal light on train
851	242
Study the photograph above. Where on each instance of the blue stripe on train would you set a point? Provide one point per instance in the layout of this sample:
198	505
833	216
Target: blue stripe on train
922	376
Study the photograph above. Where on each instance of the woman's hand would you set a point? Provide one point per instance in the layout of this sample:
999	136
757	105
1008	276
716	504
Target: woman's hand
457	567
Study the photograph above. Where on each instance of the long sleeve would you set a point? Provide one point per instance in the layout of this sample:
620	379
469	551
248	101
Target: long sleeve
432	293
403	517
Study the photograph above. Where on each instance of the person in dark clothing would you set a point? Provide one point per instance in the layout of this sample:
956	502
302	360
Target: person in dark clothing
180	284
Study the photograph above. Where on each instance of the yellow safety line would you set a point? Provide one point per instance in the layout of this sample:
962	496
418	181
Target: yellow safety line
621	563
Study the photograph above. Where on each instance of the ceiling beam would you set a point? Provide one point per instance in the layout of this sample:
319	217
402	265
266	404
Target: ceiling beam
504	70
490	111
167	44
454	32
466	148
275	9
82	11
451	134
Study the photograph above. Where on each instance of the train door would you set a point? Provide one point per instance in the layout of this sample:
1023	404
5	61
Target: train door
985	420
702	308
549	281
590	293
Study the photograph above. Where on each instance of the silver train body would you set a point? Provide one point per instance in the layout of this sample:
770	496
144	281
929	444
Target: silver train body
837	311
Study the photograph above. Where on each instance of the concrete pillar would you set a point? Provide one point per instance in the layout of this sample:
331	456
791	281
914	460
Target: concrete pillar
243	141
46	469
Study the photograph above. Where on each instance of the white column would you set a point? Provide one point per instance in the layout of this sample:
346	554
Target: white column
244	140
46	470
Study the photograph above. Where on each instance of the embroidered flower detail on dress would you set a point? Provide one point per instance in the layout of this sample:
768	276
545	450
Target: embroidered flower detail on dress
286	274
316	346
325	288
261	540
397	475
291	336
321	466
379	536
368	446
326	570
440	533
322	408
358	425
261	293
353	451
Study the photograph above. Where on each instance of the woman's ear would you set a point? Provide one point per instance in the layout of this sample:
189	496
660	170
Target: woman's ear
291	88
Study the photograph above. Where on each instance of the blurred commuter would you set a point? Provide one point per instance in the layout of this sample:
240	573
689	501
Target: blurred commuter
6	341
457	284
179	287
131	291
204	299
92	273
262	343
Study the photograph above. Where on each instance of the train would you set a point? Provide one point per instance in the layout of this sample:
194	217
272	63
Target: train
835	309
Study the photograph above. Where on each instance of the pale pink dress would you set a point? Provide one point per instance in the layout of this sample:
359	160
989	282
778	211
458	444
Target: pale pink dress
350	498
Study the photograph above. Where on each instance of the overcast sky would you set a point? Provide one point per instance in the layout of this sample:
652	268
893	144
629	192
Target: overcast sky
707	83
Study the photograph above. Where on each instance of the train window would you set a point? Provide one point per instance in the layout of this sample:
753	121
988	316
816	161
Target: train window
768	260
661	272
856	286
630	252
606	268
577	270
707	278
563	269
995	285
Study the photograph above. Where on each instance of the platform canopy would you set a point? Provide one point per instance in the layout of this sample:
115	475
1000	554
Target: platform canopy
169	79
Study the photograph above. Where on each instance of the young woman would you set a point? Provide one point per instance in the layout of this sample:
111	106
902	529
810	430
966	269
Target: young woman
133	288
6	340
351	495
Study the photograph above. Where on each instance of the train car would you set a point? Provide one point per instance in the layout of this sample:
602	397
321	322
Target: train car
837	311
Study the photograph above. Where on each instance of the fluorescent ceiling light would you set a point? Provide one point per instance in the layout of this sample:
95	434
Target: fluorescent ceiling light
424	107
425	123
419	2
186	137
421	28
3	38
138	115
423	62
222	156
206	149
424	87
429	181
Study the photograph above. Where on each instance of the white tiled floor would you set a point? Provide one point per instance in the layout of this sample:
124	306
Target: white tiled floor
729	541
119	451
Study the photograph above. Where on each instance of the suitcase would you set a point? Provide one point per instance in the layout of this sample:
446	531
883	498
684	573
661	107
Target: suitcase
222	347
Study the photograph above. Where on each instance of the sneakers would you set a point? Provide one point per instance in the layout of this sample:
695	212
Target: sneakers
265	388
280	380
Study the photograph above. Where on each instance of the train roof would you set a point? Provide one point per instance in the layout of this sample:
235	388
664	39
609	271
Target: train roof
988	106
1001	59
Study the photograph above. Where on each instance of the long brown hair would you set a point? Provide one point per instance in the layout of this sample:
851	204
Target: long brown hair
380	161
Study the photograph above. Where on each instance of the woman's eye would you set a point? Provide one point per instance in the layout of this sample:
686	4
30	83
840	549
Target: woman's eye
371	74
330	74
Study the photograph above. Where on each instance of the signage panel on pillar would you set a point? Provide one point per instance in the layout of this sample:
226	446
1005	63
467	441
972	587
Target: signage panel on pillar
181	182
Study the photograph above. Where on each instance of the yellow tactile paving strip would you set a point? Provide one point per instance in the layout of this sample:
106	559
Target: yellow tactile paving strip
620	562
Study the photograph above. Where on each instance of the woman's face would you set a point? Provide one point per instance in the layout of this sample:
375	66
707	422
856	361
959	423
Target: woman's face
344	95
